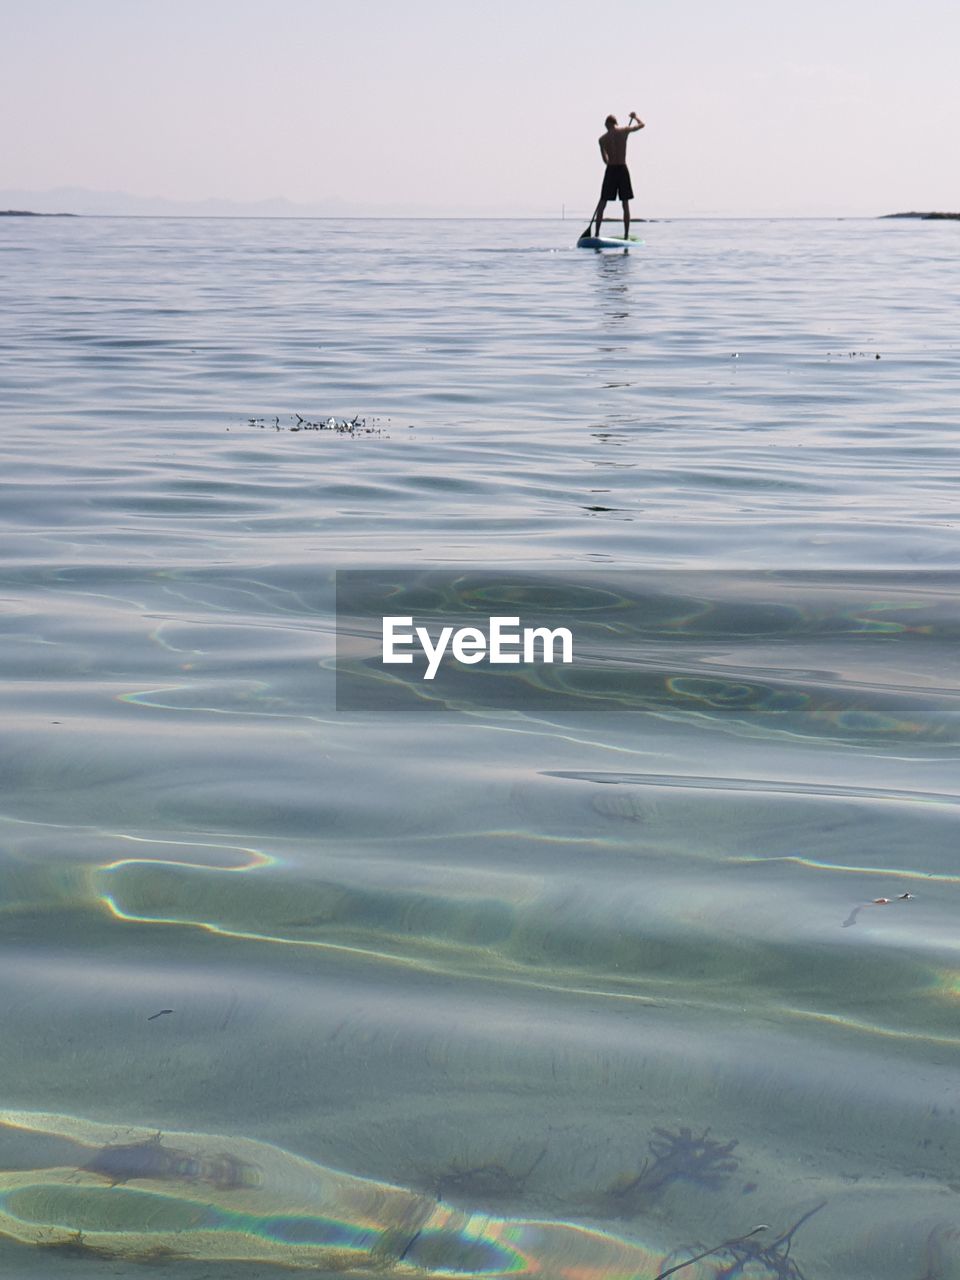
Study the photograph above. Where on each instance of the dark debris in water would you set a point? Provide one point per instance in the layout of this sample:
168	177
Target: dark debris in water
489	1181
355	426
673	1157
748	1256
77	1245
152	1160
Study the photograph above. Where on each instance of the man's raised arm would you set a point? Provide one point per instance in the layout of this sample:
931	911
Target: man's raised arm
637	123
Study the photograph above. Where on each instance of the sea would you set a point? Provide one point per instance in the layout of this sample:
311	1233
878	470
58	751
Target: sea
652	971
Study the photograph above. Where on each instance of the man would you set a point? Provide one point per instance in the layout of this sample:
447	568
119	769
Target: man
616	180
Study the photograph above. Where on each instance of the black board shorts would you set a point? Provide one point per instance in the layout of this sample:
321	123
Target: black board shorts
616	183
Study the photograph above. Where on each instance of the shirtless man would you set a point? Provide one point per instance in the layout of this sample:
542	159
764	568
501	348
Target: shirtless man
616	180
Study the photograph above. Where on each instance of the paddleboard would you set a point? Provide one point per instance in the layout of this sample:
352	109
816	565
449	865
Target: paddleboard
607	242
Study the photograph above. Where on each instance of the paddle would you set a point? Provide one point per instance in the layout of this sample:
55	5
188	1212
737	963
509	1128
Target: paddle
585	235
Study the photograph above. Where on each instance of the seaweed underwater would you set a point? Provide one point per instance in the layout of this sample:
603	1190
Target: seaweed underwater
78	1246
674	1157
486	1181
746	1256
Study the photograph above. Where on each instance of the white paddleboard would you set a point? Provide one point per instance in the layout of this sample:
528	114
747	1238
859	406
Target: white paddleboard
607	242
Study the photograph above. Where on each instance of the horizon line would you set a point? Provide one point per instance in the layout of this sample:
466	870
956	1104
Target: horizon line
464	217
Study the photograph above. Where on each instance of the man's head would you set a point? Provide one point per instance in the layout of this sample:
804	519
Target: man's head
610	122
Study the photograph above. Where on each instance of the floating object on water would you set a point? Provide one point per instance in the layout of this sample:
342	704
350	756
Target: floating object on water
876	902
355	426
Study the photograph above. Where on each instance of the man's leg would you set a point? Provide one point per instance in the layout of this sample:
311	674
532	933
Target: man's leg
600	208
626	219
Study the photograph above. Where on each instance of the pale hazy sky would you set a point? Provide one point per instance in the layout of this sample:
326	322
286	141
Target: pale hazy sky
752	106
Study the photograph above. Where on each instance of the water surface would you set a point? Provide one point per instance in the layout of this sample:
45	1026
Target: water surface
615	981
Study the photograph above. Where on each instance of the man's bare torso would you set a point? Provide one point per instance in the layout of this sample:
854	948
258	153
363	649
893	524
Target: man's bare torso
613	144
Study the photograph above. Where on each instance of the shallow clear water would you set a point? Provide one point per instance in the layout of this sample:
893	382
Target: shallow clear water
614	979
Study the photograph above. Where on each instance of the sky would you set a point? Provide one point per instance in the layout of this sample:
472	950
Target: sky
752	107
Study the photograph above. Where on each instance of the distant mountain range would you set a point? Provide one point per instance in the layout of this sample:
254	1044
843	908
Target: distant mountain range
83	200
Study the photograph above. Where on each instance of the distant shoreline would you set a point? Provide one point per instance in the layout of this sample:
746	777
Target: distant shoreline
926	217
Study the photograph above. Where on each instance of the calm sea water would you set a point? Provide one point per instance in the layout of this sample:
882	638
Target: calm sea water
490	992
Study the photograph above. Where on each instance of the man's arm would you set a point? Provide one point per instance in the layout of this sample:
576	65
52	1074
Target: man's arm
637	123
603	150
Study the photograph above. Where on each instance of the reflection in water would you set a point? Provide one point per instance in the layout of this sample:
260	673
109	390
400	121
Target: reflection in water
613	293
